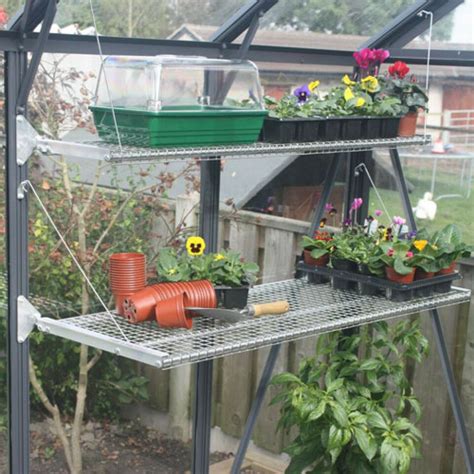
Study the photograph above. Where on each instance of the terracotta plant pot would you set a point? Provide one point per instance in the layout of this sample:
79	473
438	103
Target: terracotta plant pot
422	275
392	275
141	305
127	276
317	262
170	313
447	270
407	126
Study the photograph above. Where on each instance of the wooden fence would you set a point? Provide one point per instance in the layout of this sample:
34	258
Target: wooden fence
274	243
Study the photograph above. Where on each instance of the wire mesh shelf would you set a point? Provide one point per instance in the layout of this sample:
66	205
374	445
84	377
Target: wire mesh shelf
129	154
314	309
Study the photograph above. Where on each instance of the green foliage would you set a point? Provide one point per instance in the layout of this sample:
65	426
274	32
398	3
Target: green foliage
411	95
449	245
352	404
320	245
224	268
397	254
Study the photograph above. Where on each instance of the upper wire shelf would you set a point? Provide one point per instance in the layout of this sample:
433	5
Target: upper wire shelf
314	309
113	154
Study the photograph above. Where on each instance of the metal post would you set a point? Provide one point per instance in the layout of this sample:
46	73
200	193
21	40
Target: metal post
202	403
357	186
437	330
255	409
17	274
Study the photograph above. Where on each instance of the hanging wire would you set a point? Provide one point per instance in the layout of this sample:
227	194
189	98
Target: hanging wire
362	167
428	58
25	185
99	46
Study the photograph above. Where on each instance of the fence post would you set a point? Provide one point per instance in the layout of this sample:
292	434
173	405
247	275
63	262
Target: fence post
180	378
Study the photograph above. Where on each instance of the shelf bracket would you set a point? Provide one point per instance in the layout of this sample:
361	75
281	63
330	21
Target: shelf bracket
28	317
26	140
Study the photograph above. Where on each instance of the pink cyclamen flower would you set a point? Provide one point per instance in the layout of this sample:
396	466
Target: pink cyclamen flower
380	55
390	252
409	254
356	203
328	207
378	212
364	58
397	220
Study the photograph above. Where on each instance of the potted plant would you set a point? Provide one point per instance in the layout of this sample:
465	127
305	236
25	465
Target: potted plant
316	250
226	270
409	92
398	259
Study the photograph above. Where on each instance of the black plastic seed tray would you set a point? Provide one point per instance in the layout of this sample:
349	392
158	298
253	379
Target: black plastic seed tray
372	285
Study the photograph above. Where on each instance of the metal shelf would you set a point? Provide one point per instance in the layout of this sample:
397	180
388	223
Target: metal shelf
113	154
314	309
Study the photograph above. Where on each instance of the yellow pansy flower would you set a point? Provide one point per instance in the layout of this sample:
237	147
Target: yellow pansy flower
218	257
370	84
420	244
360	102
348	81
348	94
172	271
313	85
195	246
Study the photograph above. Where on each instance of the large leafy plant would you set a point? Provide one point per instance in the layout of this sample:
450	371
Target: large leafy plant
449	246
354	409
320	245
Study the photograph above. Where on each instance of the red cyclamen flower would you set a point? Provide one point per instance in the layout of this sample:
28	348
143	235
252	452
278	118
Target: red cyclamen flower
380	55
399	69
364	58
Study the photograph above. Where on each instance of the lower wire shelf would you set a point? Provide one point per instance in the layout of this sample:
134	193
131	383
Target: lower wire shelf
314	309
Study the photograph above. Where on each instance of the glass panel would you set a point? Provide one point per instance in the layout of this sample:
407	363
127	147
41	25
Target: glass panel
454	31
145	18
328	25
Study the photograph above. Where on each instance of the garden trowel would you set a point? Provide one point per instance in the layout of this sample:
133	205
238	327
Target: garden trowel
249	312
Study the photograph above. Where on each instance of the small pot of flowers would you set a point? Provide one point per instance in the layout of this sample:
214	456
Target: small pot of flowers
398	259
364	248
226	270
316	250
409	92
343	258
449	249
424	261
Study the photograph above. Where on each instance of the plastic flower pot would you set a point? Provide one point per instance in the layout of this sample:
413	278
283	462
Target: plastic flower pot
141	304
392	275
346	265
341	283
170	313
444	287
364	288
447	270
420	274
119	303
127	273
407	126
277	130
371	127
351	128
317	279
389	128
308	130
398	295
232	297
317	262
331	129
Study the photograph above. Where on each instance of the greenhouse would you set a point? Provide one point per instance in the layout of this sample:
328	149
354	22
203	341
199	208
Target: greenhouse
238	236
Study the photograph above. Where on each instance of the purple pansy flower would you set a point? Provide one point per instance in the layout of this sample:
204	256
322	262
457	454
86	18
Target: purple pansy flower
378	212
302	93
328	207
347	222
411	235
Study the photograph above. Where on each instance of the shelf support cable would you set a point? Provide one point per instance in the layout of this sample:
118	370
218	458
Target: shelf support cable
24	186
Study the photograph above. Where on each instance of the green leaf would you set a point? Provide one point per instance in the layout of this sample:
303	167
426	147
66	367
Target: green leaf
390	455
318	412
335	437
376	420
285	378
401	268
415	404
335	385
367	444
340	414
370	364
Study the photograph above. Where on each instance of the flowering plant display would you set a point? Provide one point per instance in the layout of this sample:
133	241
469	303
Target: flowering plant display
320	244
224	268
449	246
369	60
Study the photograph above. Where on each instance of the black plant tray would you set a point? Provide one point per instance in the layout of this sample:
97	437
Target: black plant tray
367	284
229	297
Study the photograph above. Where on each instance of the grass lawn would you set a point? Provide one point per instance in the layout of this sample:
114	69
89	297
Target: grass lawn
458	210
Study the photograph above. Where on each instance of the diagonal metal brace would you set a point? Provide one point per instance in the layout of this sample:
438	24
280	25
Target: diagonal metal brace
28	317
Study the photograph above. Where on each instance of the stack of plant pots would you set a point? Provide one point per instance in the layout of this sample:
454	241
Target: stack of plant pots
127	275
166	302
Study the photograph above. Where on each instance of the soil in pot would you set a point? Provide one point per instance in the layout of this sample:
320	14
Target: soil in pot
278	130
365	288
392	275
317	262
407	126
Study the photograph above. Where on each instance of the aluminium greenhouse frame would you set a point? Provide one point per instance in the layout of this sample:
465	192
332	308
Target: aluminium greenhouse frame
19	40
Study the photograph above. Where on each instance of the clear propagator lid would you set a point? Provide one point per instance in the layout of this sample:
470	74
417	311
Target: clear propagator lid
185	83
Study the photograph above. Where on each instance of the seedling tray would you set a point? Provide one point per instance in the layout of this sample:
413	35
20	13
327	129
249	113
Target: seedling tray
392	290
178	126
